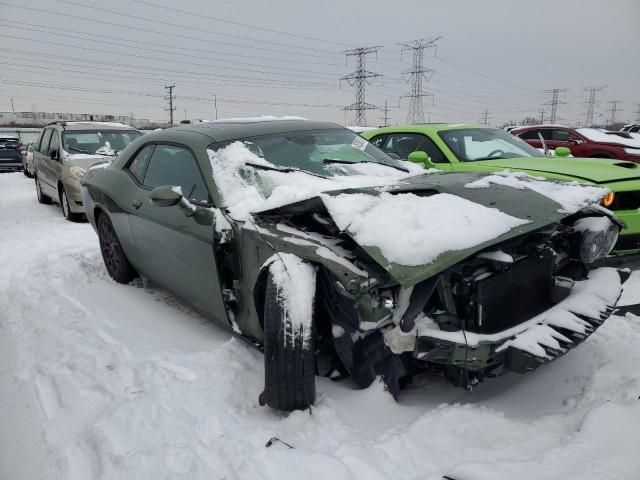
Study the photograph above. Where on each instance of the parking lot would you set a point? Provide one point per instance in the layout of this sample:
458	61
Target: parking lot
101	380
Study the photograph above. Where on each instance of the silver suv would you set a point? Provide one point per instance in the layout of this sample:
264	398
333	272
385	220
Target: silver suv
64	152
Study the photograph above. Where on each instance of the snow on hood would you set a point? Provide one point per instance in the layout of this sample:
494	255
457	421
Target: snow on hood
604	137
246	190
429	226
572	196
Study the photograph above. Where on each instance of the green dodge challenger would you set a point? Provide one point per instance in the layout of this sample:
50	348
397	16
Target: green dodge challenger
468	148
337	260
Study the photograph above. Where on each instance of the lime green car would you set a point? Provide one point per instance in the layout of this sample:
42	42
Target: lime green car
471	148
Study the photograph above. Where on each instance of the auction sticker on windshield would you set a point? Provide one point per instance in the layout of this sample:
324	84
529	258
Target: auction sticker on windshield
359	143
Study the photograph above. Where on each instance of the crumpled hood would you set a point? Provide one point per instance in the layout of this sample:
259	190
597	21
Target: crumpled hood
596	170
519	211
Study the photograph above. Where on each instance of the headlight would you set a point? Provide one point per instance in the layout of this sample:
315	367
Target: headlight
632	151
597	237
608	199
77	172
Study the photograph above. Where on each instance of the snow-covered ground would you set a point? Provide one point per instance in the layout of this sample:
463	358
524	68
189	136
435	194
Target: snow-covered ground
105	381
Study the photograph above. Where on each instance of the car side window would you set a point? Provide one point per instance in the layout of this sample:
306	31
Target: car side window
138	165
176	166
44	143
54	144
560	135
529	135
402	144
378	141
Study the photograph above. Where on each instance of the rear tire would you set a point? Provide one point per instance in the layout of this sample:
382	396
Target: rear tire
42	198
115	260
66	209
289	367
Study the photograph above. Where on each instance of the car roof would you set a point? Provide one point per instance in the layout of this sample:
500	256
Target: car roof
93	126
431	128
222	131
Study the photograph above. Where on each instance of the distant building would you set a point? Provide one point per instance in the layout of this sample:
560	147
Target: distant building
39	119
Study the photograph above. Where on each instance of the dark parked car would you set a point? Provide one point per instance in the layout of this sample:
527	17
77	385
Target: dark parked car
583	142
10	153
336	259
633	128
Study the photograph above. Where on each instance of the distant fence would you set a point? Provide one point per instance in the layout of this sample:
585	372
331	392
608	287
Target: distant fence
26	135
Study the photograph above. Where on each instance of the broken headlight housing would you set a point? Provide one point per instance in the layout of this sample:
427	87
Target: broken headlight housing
596	238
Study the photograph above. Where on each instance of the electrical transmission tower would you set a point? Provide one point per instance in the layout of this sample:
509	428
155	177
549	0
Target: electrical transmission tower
555	102
416	75
591	103
485	117
385	118
170	98
614	110
542	112
360	79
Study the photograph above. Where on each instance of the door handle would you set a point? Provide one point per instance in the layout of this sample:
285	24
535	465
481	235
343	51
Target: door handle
136	204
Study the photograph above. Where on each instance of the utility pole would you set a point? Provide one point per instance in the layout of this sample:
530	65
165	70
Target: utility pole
638	113
359	79
485	117
385	117
591	103
614	110
416	74
12	107
555	102
170	98
542	112
215	105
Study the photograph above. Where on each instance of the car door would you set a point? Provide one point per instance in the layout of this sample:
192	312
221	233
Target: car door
53	162
177	249
403	144
42	166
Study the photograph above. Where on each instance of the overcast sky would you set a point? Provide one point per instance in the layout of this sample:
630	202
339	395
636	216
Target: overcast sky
495	54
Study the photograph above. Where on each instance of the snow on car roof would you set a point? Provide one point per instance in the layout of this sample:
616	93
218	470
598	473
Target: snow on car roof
99	125
263	118
608	137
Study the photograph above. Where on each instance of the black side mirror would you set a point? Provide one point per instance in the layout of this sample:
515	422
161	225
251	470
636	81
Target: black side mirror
54	154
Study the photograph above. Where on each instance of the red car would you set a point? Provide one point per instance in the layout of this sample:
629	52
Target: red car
583	142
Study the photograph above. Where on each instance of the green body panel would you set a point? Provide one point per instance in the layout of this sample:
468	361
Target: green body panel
616	175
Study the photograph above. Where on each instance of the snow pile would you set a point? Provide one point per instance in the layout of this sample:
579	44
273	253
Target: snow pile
246	189
296	285
430	226
572	196
105	149
604	137
106	381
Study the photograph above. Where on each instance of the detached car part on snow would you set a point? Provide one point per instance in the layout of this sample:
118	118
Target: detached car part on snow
338	260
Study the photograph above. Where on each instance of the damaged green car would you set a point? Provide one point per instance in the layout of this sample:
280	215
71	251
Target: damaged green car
337	260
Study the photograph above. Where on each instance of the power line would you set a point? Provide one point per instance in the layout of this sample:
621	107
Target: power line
591	102
164	33
170	98
555	101
360	78
416	75
230	22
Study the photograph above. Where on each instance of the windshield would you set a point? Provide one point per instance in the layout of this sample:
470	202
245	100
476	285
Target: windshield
97	142
320	152
473	144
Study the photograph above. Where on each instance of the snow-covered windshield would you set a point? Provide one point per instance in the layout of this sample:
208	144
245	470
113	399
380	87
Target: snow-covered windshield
474	144
316	151
97	142
273	170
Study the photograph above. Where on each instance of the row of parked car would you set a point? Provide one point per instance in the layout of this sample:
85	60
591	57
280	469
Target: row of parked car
336	255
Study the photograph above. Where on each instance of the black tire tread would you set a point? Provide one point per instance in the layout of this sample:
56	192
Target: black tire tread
289	372
42	198
126	272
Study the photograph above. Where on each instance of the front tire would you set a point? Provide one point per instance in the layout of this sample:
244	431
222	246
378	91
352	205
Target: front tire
66	209
115	260
42	198
289	360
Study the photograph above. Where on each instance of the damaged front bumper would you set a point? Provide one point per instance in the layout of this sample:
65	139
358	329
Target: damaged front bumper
526	346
